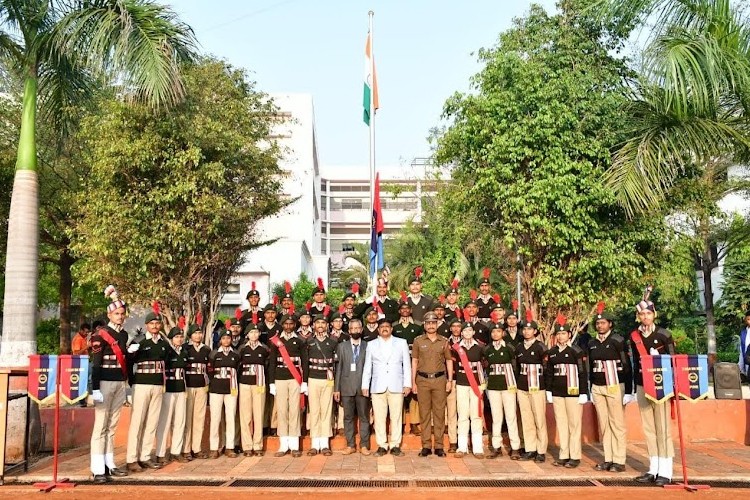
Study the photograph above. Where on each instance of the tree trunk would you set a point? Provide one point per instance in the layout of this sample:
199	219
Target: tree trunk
22	266
66	290
708	299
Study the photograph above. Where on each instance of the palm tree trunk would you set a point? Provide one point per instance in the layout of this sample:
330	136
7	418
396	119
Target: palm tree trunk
21	266
66	290
708	299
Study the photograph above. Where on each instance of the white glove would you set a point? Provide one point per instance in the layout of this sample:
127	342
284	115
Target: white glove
97	396
653	352
627	399
272	389
303	388
549	397
133	347
583	399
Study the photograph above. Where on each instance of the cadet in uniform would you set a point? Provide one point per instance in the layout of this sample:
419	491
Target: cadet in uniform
512	335
531	356
370	330
349	302
567	389
253	367
653	340
173	404
109	375
470	385
268	327
196	392
253	298
305	330
287	300
443	323
420	303
611	389
451	406
407	330
286	375
481	333
385	304
222	394
452	309
319	306
149	355
501	392
337	328
431	360
321	353
485	302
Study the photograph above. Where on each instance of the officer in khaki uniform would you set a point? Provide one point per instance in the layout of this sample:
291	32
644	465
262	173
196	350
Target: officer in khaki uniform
149	356
431	361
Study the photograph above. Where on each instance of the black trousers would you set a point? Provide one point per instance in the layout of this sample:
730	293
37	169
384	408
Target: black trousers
360	406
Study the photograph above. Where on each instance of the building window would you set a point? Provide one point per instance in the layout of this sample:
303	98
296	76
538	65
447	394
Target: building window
350	189
233	288
352	204
347	247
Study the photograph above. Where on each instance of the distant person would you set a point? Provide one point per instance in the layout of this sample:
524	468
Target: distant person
744	362
82	341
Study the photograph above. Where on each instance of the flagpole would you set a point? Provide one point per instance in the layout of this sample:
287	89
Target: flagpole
374	270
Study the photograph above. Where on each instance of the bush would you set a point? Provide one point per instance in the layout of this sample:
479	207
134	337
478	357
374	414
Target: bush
728	356
682	343
48	336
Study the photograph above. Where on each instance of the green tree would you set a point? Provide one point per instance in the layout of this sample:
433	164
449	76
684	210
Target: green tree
735	293
55	47
530	146
171	203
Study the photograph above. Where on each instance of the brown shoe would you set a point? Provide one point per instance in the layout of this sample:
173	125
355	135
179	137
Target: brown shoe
187	456
182	458
515	455
248	453
459	454
312	452
213	454
415	430
162	460
134	467
259	453
230	454
365	451
149	464
203	455
452	448
348	450
280	454
326	452
296	453
479	456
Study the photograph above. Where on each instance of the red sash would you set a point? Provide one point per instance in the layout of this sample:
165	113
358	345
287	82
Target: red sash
116	349
469	375
289	365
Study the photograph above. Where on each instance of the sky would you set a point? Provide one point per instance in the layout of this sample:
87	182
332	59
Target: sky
424	52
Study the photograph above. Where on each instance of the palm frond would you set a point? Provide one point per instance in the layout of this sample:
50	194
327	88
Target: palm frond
139	42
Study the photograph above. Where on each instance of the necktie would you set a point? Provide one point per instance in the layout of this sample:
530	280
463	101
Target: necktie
356	353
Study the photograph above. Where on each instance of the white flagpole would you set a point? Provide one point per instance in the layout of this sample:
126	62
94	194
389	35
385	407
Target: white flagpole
374	270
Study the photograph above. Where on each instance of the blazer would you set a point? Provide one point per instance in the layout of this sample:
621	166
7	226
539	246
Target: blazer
348	382
387	371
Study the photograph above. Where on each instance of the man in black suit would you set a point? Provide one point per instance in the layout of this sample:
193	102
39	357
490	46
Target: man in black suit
347	389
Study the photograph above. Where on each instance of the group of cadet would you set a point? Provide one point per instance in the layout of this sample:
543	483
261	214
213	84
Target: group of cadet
364	364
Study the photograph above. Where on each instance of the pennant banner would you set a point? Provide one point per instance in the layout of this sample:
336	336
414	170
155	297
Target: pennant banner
74	377
658	379
691	375
42	379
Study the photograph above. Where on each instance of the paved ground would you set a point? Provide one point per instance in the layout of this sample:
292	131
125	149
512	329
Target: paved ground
708	461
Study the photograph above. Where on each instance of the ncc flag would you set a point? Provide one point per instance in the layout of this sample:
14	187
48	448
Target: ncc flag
658	378
691	375
42	378
74	377
376	237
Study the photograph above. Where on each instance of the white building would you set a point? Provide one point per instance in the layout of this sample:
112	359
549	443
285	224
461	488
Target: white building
345	200
297	228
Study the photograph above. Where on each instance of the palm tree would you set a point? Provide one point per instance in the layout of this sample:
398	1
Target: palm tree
689	105
687	116
60	50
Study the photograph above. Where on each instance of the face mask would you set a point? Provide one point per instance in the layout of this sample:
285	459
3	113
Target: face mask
355	336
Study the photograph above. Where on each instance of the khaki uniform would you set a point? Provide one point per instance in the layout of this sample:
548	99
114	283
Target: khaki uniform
431	377
171	423
611	417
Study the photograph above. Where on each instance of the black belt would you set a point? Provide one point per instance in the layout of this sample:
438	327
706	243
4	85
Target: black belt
430	375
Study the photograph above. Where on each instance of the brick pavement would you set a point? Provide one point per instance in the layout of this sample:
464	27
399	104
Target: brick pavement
706	460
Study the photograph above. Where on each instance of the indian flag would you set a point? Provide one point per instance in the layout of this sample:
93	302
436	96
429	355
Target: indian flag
370	95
